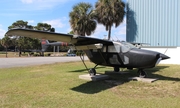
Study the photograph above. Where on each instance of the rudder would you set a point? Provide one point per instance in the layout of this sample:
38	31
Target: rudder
44	44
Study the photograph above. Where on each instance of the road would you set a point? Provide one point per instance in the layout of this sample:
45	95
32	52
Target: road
30	61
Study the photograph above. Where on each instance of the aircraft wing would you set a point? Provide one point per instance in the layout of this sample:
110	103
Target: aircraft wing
72	39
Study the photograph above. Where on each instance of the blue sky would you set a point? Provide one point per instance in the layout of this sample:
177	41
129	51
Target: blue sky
54	12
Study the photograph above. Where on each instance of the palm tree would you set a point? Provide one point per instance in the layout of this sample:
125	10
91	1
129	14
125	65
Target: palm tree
109	12
81	19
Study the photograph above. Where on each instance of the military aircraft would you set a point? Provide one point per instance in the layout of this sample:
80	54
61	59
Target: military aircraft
102	52
45	43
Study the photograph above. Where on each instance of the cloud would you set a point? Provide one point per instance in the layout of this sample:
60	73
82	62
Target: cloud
43	1
100	32
27	1
31	21
56	23
121	31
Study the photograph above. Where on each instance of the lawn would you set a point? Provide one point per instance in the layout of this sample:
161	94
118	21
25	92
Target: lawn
58	86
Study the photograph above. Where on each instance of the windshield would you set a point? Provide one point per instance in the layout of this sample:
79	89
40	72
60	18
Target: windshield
126	47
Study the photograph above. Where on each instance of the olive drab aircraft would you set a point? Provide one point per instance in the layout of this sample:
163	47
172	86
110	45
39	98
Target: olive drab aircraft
102	52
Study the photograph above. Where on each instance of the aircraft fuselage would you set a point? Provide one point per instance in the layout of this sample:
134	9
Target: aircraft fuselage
124	55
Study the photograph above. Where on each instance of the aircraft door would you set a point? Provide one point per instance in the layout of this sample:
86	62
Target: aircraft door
124	49
113	55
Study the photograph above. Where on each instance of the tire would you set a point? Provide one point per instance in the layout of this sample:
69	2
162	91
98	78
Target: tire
142	74
92	72
116	69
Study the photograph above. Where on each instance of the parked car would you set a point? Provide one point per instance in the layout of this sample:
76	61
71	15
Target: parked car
71	54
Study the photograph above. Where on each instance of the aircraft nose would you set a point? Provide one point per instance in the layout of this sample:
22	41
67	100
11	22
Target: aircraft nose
163	56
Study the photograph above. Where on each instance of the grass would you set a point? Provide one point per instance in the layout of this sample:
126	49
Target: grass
58	86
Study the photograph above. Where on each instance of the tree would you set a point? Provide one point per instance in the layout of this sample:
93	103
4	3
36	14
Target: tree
23	42
71	32
6	42
19	24
109	12
26	43
81	19
44	27
1	47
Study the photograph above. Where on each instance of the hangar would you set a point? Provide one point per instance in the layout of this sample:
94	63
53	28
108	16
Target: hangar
157	23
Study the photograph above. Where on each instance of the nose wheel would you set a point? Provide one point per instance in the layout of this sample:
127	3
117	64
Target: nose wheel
142	73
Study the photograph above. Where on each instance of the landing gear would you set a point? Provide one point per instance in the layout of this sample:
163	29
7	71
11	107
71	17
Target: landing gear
92	72
142	73
116	69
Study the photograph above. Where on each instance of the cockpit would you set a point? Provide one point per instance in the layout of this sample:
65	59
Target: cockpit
118	47
125	47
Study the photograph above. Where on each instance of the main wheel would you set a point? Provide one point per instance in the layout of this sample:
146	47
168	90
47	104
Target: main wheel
92	72
116	69
142	73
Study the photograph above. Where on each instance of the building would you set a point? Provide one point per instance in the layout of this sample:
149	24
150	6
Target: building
157	23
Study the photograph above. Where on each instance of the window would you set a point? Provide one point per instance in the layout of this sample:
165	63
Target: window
126	47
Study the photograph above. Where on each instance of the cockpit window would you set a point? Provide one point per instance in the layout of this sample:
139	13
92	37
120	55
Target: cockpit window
126	47
118	47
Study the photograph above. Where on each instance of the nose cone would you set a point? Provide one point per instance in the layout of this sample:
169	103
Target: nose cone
164	56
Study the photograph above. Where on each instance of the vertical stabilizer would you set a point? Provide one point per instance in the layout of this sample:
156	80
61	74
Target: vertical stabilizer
44	44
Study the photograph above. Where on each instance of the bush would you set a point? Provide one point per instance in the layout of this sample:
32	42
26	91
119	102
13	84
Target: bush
48	54
36	54
24	54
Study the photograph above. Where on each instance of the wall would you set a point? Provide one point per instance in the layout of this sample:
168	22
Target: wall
156	22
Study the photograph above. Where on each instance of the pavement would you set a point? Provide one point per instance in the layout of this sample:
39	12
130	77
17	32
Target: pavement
30	61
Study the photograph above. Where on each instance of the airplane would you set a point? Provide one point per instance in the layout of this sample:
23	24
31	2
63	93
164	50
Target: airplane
102	52
45	44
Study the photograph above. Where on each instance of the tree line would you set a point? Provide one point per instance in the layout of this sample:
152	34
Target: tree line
24	43
83	21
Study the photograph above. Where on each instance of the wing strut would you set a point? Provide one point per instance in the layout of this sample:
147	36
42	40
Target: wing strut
82	59
91	71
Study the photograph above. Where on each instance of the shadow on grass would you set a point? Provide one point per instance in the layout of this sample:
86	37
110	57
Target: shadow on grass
152	71
85	70
95	87
92	87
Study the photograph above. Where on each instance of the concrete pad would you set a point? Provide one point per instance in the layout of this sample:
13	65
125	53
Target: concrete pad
113	72
97	77
148	80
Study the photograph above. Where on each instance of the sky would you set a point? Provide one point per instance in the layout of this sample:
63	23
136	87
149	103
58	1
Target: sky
54	12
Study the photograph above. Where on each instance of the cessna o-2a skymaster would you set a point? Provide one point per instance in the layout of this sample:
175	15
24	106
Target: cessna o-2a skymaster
101	52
